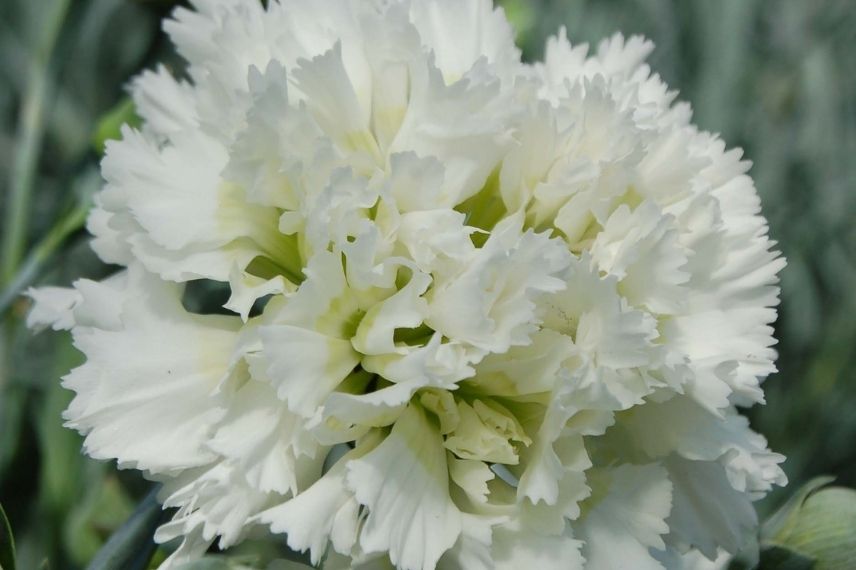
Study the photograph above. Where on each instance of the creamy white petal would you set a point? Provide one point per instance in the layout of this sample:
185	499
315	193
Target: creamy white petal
377	409
641	248
591	311
324	302
626	517
328	92
52	307
266	441
437	240
516	548
471	476
406	309
305	366
524	370
417	183
486	432
459	32
433	365
213	501
460	124
247	289
267	156
326	511
708	513
406	479
437	363
490	303
193	546
155	375
164	102
177	197
681	426
473	548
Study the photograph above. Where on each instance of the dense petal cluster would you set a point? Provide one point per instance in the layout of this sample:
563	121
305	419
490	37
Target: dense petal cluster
484	314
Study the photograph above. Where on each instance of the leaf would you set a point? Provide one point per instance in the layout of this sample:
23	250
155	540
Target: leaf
7	543
209	563
818	523
12	404
59	447
826	528
102	506
131	546
780	521
110	124
288	565
780	558
522	16
214	562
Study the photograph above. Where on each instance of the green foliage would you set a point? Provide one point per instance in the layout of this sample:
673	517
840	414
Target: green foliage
7	543
131	546
819	524
109	126
780	558
815	529
524	15
74	58
237	563
91	519
254	555
59	484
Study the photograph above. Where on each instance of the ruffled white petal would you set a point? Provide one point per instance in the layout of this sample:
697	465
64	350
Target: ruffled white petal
52	307
461	32
490	303
171	364
514	549
708	513
326	511
627	517
683	427
405	485
266	441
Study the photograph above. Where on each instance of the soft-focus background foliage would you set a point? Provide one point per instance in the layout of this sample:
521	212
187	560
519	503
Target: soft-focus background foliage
777	77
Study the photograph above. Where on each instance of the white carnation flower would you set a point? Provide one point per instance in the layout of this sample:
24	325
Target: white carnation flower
510	309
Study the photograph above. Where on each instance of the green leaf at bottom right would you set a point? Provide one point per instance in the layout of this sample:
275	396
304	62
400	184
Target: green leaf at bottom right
821	527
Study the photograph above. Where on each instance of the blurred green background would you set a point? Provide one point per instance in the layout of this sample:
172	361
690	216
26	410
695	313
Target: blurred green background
776	77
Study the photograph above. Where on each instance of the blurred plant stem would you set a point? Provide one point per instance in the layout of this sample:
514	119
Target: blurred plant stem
10	326
43	251
28	142
131	547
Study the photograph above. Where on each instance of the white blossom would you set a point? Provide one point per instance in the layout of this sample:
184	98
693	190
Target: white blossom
483	314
